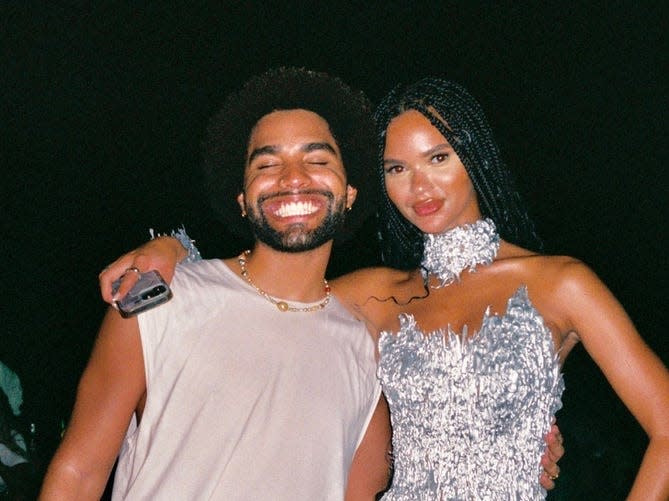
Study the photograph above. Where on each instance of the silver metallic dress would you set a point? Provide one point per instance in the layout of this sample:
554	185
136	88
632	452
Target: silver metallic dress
469	413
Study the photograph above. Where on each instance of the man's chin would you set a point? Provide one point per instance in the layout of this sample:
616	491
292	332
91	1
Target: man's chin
294	241
294	245
297	236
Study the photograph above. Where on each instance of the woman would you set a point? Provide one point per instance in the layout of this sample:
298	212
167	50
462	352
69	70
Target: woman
471	367
451	208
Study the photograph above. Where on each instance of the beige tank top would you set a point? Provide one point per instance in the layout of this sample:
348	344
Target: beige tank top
245	402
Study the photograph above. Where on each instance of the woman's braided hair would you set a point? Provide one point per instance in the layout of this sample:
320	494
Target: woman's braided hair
460	119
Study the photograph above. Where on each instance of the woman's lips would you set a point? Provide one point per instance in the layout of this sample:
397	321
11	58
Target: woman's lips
428	207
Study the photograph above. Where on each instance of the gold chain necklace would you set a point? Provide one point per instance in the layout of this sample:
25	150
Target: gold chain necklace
281	305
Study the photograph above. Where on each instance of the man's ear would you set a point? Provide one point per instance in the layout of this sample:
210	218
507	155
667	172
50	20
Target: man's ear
351	194
240	201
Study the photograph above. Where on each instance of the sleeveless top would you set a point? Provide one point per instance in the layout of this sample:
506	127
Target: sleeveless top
245	402
469	413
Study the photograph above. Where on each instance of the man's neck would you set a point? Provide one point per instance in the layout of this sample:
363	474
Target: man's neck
296	276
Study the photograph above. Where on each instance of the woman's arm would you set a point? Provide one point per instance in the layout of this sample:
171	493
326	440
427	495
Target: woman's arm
162	254
636	374
109	392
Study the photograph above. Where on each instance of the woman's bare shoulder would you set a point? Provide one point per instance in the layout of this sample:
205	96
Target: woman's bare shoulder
551	277
373	277
378	281
532	264
561	270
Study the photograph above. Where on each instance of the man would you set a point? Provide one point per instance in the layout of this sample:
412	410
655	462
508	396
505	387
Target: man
252	382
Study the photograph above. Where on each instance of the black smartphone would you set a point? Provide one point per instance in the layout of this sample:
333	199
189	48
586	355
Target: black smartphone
149	291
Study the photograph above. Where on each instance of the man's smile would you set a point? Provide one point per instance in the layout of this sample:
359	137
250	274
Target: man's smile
296	209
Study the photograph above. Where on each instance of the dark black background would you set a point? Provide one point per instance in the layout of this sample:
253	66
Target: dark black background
104	105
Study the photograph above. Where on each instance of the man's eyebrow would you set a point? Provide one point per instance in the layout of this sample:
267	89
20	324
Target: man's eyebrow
273	149
263	150
319	146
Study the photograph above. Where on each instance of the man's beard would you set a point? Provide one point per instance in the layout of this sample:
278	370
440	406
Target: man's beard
296	238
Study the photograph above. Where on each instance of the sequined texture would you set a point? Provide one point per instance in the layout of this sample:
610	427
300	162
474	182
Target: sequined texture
469	413
447	254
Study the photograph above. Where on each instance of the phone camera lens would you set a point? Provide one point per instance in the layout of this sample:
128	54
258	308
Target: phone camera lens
157	290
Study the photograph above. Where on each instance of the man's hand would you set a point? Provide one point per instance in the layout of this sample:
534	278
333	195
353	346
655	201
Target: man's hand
162	254
553	453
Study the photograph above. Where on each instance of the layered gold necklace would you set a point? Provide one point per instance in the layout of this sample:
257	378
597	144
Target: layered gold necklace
281	305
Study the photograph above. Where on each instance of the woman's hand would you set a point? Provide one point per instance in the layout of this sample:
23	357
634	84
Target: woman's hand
162	254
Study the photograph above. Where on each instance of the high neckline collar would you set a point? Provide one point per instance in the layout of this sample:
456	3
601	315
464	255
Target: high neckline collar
447	254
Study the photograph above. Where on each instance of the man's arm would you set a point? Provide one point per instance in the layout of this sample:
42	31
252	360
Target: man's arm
370	470
109	391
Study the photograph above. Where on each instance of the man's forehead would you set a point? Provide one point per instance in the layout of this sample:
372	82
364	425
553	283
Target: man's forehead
291	129
288	124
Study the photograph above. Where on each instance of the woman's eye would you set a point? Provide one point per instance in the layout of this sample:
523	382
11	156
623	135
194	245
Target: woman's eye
440	157
394	169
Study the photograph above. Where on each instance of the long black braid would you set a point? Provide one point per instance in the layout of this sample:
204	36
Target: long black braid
460	119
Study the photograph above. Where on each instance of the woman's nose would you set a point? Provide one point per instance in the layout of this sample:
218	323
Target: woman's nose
420	181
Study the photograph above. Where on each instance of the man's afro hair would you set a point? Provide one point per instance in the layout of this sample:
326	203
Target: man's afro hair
347	112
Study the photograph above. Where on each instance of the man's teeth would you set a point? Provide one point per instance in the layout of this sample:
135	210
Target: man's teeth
296	209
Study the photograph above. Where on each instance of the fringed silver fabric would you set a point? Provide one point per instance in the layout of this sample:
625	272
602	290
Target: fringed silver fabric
447	254
469	413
